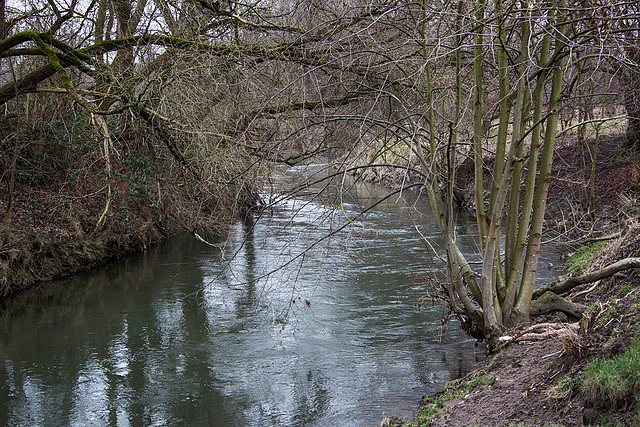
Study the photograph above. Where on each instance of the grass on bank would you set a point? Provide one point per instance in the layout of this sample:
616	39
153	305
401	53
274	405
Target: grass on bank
582	257
616	380
432	405
613	381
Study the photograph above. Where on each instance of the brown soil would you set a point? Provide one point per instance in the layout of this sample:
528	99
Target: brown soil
520	385
517	390
617	177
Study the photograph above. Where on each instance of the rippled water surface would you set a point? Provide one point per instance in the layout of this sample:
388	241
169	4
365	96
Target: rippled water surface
283	327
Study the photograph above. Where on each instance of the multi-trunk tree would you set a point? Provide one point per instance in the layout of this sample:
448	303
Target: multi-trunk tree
513	58
510	225
481	81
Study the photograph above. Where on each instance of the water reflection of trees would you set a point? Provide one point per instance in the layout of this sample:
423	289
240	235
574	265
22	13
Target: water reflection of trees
437	362
311	398
162	350
247	300
101	343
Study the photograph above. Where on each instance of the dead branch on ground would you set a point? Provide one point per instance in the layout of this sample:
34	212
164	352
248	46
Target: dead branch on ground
610	270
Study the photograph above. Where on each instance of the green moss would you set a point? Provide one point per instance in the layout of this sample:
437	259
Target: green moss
620	331
582	257
564	388
478	381
433	405
612	312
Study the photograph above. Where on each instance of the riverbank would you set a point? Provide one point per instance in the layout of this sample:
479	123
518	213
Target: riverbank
50	234
586	378
66	207
334	340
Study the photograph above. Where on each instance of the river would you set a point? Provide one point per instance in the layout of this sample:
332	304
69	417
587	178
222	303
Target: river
253	334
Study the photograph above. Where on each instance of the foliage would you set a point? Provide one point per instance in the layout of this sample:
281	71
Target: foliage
60	186
454	94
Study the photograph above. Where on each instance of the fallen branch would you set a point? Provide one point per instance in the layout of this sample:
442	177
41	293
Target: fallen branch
539	332
221	247
602	238
586	291
594	276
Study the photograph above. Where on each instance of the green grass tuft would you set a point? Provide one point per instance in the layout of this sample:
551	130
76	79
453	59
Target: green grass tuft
582	257
617	380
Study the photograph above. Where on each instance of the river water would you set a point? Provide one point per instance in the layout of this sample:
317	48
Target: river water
253	334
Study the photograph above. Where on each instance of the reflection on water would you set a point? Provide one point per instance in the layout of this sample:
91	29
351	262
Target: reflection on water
187	334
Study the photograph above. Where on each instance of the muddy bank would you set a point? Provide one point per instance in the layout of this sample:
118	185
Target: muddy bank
557	381
55	245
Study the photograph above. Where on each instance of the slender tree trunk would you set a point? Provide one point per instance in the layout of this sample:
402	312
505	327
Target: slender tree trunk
505	110
523	301
481	217
632	86
632	106
513	274
3	20
519	120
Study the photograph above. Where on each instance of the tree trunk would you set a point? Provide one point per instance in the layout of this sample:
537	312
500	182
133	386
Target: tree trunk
523	300
632	95
481	218
550	302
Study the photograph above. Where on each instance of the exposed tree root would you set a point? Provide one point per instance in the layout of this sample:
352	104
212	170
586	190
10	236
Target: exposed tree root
550	302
